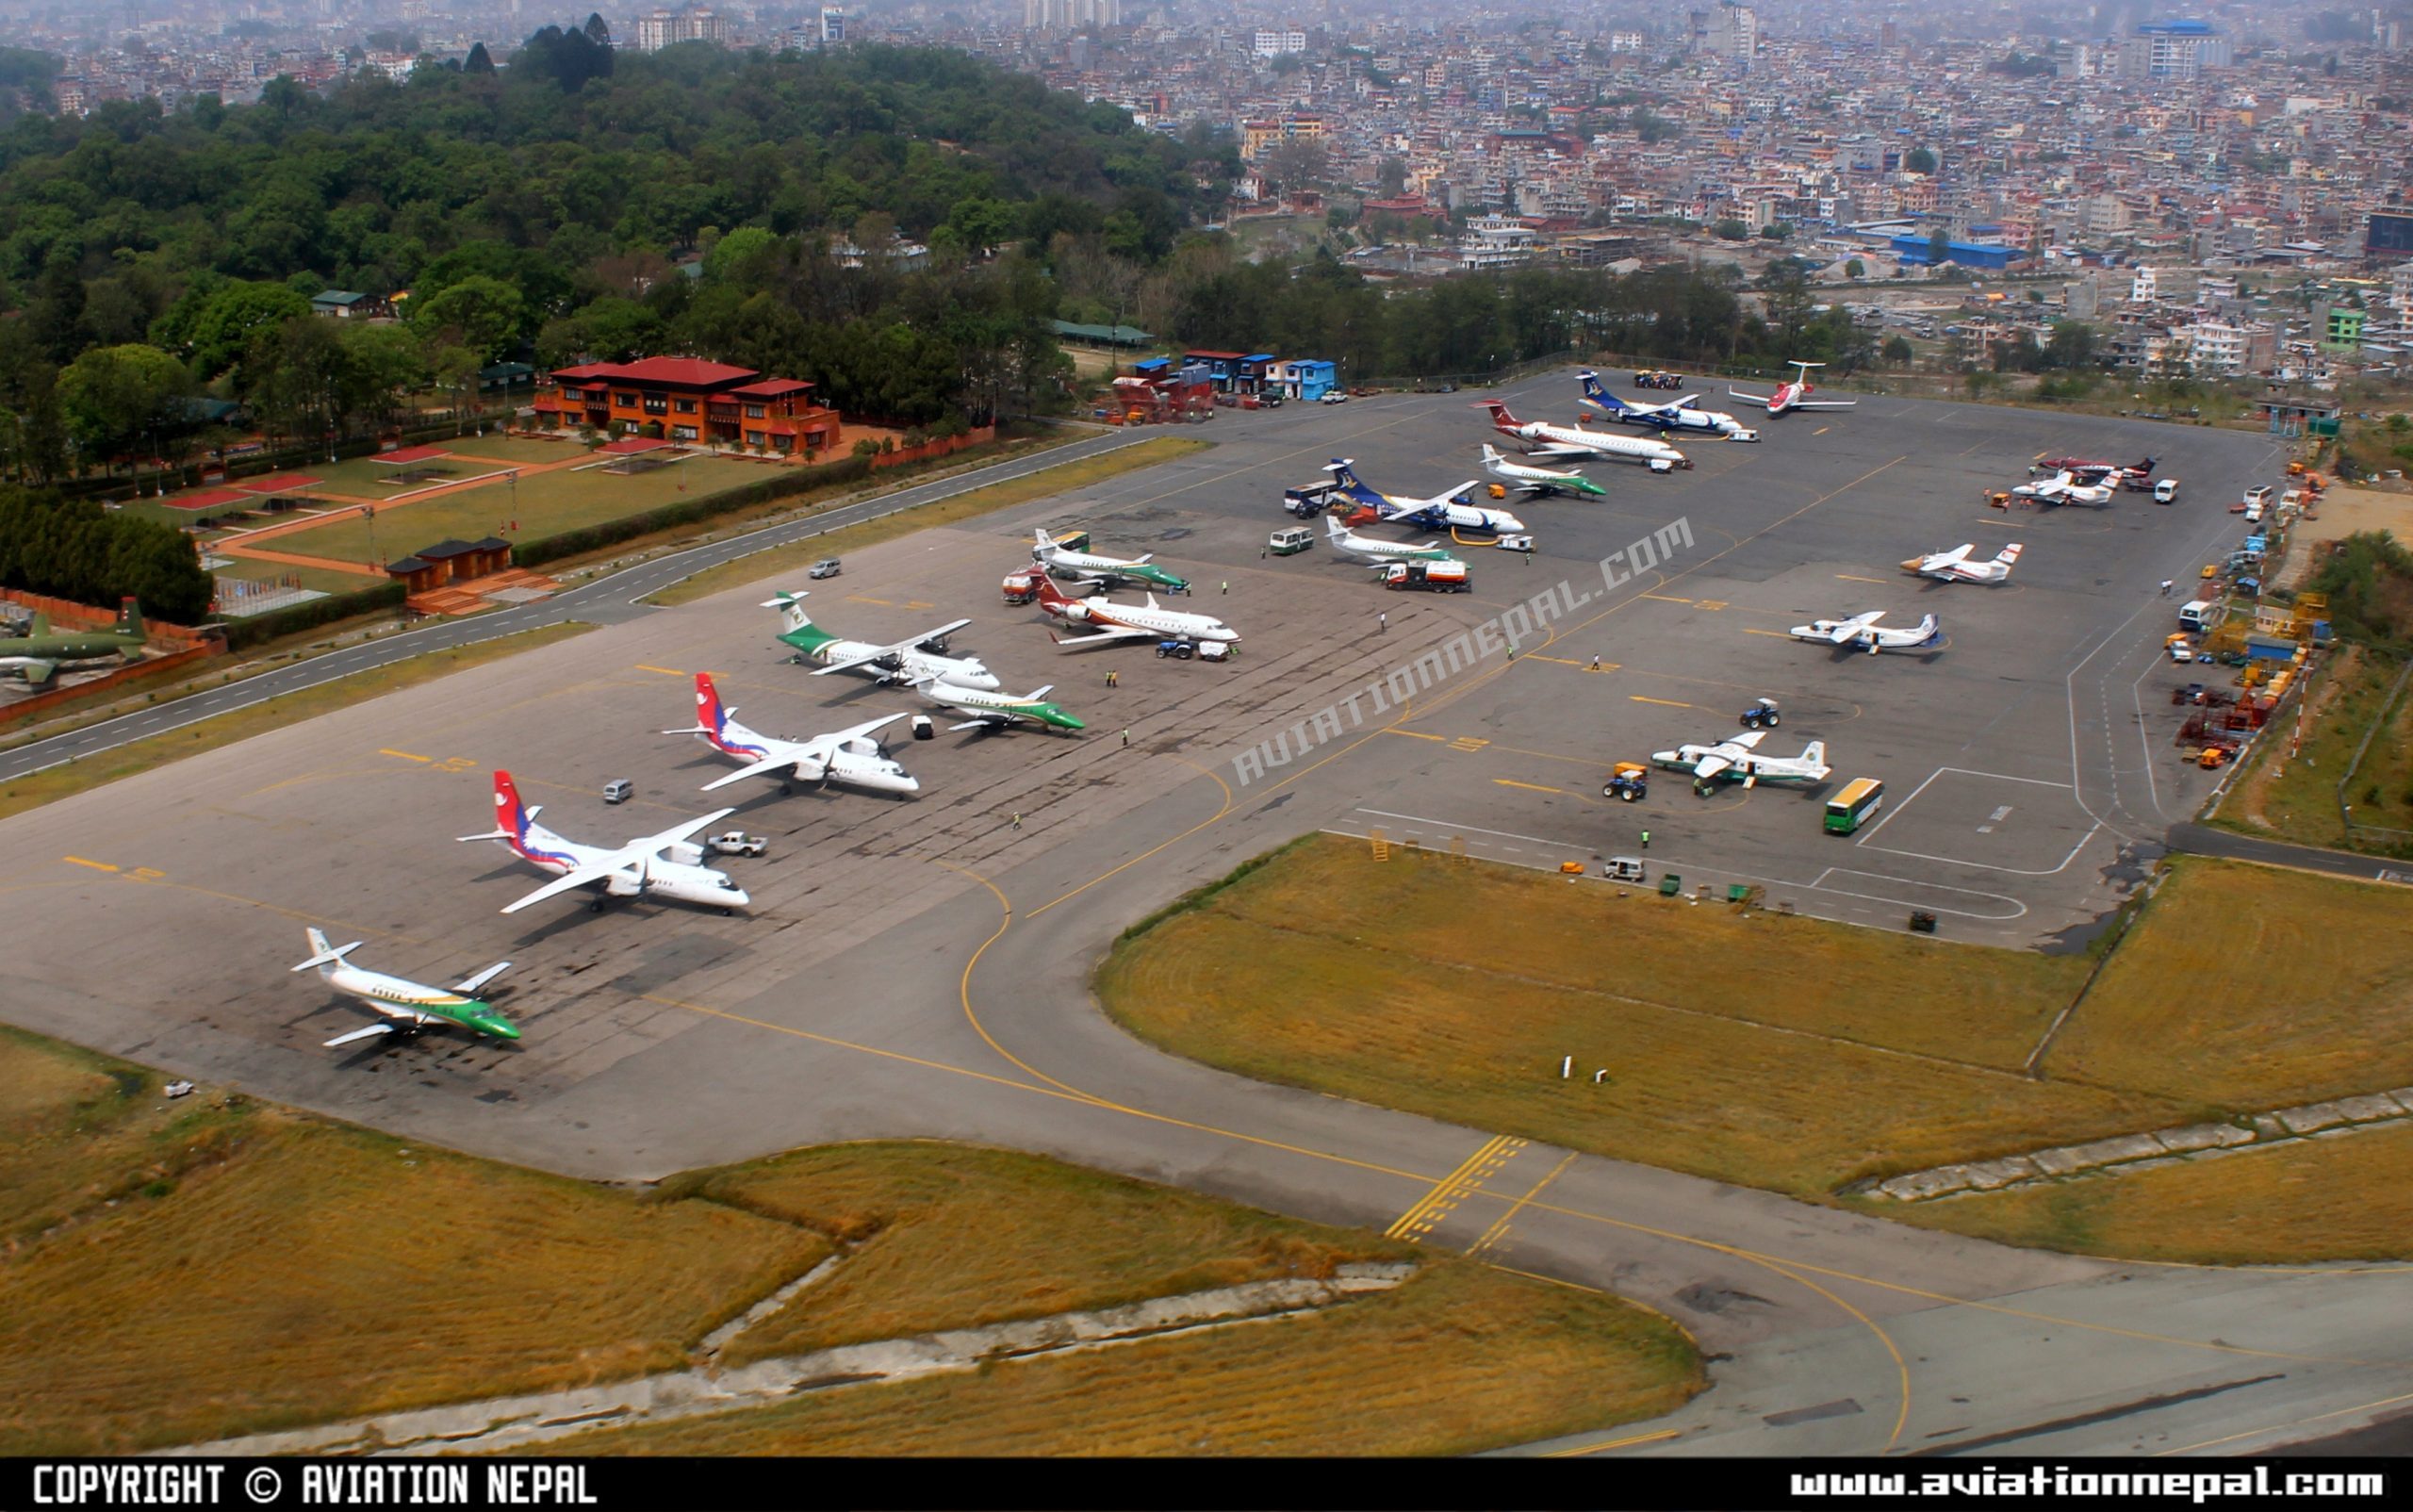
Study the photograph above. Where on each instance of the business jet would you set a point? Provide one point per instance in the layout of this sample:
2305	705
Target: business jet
408	1007
1794	394
2064	488
667	865
1106	622
996	711
900	661
1865	633
1537	481
850	757
1442	512
1107	571
1738	760
1377	553
1573	443
1675	415
1955	566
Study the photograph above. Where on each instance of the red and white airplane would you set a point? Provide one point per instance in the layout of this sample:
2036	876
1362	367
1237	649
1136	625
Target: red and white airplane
1795	394
1107	621
2108	472
1955	566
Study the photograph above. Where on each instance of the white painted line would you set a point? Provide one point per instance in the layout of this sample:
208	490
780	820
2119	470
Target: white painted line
1988	866
1471	828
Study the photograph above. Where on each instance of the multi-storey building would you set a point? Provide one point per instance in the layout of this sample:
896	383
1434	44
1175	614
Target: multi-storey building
659	29
1274	43
686	399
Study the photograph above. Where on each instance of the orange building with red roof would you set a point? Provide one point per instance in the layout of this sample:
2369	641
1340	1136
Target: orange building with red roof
688	399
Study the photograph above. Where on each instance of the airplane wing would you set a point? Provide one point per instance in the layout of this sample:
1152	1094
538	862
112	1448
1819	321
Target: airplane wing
1560	451
654	844
786	756
570	881
1685	403
892	648
1846	630
470	984
1107	637
1711	766
1824	403
1756	399
381	1026
986	721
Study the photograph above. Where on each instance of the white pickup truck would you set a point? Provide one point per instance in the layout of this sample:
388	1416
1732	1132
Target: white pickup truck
736	842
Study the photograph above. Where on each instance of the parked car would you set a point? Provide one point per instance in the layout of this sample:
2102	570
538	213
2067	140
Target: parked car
619	790
735	843
826	567
1334	396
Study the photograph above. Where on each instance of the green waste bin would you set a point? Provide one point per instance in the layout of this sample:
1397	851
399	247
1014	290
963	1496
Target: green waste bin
1738	892
1670	885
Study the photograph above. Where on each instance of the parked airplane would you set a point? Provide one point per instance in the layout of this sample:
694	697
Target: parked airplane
1864	630
2111	473
1675	415
1537	479
1442	512
898	662
996	711
2064	488
35	655
1955	566
850	757
1571	443
1381	553
1119	621
1738	758
1795	394
667	864
1107	571
408	1006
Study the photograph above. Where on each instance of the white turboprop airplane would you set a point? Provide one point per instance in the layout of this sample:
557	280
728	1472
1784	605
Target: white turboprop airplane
1573	443
903	661
1675	415
1111	572
996	711
1121	621
1955	566
408	1006
1540	480
1379	553
850	757
669	864
1864	632
1795	394
1738	758
2064	488
1442	512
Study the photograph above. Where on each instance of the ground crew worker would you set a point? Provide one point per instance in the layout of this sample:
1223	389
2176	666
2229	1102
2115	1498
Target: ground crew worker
2165	587
1646	840
1227	587
1382	622
1596	660
1126	740
1017	818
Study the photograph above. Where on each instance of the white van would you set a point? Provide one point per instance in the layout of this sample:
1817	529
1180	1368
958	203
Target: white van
2200	614
2166	490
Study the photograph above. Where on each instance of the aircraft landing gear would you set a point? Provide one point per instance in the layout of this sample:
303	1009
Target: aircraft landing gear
728	913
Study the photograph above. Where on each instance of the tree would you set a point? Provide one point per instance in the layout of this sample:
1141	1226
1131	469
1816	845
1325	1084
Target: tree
1391	178
115	397
1730	229
1898	352
1855	269
1296	162
484	314
479	60
1939	248
221	328
1919	160
2072	345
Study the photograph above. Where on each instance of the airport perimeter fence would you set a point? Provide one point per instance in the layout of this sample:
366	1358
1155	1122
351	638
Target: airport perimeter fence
243	633
2359	832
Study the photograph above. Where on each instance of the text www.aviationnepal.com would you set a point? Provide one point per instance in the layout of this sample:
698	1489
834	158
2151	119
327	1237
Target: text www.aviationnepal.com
2039	1480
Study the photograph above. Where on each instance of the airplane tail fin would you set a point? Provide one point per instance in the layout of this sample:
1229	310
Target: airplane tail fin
509	815
2008	555
323	955
129	616
1050	595
1334	530
1930	630
1814	754
1490	455
790	604
1500	414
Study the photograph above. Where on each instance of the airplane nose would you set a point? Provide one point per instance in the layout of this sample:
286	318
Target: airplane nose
733	897
501	1030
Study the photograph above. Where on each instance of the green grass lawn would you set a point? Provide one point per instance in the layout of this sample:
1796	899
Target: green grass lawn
2295	798
511	449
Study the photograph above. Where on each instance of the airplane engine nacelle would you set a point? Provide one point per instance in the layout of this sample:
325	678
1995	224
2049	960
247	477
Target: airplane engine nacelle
1076	611
686	854
924	729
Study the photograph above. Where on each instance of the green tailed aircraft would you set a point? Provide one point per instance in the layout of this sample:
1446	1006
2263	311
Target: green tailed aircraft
35	657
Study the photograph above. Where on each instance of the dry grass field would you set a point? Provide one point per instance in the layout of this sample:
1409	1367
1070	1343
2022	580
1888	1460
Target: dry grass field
1458	1360
544	503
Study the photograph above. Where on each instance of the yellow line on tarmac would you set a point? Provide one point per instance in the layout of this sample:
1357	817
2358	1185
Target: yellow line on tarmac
1614	1444
1493	1234
1822	430
97	865
665	671
1666	598
1440	1188
1532	787
1669	702
1849	578
1778	633
403	754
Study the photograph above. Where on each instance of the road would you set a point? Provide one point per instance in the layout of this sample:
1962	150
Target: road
604	601
920	969
2203	840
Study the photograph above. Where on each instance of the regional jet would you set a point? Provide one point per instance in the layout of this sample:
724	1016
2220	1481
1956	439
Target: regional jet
1862	630
1442	512
1540	480
1109	621
667	864
1955	566
1573	443
408	1006
1106	571
902	660
996	711
850	757
1794	394
1675	415
1738	758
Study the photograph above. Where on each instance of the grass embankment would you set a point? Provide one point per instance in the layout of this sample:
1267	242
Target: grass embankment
55	782
798	555
2295	798
1785	1052
192	1270
1458	1360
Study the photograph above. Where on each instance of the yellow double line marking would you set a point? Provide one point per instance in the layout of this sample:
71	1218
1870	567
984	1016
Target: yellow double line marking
1460	1184
1496	1231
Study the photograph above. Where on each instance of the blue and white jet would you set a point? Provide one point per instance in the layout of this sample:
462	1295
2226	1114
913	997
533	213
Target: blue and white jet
1675	415
1442	512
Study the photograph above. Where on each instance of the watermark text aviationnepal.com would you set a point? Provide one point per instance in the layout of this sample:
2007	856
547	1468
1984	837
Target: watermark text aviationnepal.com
1501	635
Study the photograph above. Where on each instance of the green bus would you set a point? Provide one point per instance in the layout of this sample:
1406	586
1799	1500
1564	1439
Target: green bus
1860	798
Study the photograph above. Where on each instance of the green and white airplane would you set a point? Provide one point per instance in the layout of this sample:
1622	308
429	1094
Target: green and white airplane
36	656
996	711
1066	557
408	1006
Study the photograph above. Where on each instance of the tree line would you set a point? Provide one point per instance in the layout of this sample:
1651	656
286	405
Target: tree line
80	551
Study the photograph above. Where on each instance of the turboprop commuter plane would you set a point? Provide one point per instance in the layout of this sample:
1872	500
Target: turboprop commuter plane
1795	394
2064	488
1379	553
1864	632
1738	758
1442	512
996	711
1955	566
2093	471
1573	443
901	660
1122	621
667	864
1537	479
850	757
35	655
1675	415
408	1006
1107	571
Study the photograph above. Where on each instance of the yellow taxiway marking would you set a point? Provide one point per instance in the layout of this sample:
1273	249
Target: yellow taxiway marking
1778	633
1669	702
1443	1194
1822	430
1497	1230
1626	1442
665	671
1468	743
1709	604
403	755
97	865
856	597
1849	578
1532	787
1666	598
